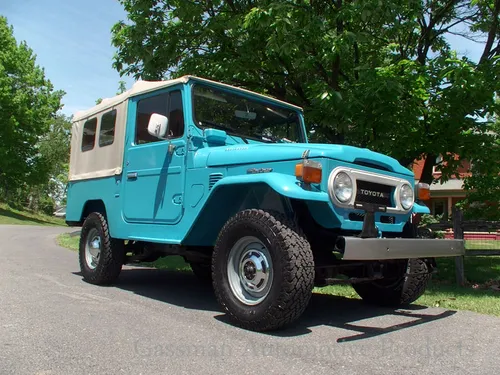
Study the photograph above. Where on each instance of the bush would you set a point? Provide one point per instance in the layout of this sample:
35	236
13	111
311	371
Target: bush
46	205
430	219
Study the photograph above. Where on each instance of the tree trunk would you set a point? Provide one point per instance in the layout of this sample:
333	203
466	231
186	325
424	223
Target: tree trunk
430	161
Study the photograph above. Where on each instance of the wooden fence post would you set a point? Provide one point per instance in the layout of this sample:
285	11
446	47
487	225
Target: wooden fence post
458	234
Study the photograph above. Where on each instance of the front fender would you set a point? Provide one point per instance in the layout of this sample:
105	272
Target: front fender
282	184
420	209
235	193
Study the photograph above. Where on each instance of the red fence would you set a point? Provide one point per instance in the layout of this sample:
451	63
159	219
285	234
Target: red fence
485	236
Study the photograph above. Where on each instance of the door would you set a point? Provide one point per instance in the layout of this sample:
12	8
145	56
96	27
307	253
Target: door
154	169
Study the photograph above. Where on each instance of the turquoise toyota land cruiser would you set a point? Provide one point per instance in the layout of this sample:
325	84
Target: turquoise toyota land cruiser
226	178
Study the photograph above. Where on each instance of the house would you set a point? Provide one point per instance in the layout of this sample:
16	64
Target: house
444	196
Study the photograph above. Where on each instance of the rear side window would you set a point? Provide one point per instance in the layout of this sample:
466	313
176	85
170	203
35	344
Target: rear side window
88	138
166	104
107	132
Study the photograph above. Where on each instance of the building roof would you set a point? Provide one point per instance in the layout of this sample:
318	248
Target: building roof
142	87
463	170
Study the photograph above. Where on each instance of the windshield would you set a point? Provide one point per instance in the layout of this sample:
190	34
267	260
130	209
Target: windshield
245	118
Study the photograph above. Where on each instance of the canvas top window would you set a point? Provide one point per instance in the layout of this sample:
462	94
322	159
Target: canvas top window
107	130
88	137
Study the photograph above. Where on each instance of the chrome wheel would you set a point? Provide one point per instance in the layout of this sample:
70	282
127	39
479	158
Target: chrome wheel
92	248
250	270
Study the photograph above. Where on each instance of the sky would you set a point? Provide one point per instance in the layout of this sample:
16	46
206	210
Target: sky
72	41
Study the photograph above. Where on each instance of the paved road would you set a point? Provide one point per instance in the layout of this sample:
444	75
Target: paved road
158	322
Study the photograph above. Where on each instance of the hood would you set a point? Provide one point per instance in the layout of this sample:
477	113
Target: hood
259	153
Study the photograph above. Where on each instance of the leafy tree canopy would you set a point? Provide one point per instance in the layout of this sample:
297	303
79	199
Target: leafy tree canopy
483	186
370	73
28	104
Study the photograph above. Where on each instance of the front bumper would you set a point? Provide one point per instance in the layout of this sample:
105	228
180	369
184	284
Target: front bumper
356	248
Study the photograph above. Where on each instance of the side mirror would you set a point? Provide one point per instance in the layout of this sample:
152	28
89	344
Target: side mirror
158	125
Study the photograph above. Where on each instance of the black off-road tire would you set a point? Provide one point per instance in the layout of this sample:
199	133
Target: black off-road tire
293	270
112	255
399	291
202	271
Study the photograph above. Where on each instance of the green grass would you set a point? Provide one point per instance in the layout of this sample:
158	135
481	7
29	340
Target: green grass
482	245
442	292
478	270
175	263
447	296
67	241
9	215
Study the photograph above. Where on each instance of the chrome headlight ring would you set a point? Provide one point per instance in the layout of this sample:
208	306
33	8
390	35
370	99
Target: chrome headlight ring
343	187
406	196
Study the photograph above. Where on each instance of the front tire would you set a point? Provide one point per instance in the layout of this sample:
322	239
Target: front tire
101	256
406	285
262	270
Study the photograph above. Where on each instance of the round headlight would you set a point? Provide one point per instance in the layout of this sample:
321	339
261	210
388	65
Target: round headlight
406	196
342	187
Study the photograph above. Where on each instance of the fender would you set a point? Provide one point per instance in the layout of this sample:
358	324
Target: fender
229	195
420	209
282	184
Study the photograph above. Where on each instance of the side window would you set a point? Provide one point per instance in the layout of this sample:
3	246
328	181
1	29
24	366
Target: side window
107	132
146	107
166	104
88	138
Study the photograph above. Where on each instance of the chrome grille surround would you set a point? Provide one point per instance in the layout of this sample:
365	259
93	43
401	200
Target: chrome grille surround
377	178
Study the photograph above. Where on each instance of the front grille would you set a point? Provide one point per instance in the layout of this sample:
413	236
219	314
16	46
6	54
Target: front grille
357	216
370	192
387	219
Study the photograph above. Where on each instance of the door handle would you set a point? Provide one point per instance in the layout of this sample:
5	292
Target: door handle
131	175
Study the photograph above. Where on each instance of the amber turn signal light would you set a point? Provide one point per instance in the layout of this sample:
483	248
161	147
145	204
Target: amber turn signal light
424	191
309	171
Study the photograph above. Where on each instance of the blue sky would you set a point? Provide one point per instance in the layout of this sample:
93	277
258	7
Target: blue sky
72	41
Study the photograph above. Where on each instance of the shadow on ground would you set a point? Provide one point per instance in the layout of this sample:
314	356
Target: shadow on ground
21	217
183	289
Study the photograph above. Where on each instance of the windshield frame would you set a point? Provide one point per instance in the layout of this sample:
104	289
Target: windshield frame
251	96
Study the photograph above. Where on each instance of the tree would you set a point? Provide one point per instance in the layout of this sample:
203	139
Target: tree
483	186
54	148
52	170
368	73
28	104
122	87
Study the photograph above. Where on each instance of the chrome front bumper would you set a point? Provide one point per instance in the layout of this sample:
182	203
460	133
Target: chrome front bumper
400	248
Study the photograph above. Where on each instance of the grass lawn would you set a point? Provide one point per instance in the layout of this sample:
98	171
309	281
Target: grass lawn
482	245
480	272
9	215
